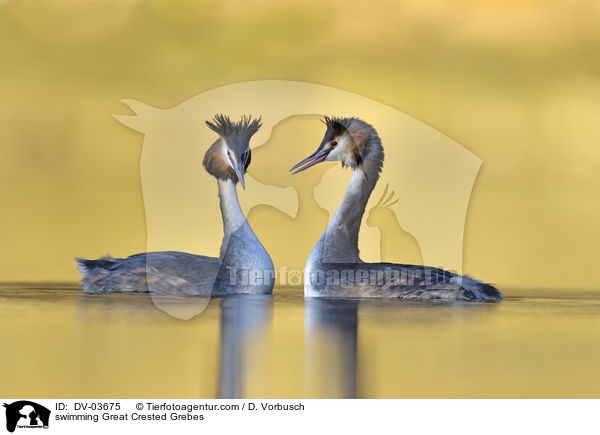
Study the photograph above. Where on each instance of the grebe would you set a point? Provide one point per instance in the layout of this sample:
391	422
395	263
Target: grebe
334	268
243	266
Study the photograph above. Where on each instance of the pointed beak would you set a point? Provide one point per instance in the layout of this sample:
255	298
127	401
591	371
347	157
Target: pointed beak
238	167
240	174
313	159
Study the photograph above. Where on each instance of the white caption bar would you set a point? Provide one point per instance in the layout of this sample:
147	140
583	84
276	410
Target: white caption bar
44	416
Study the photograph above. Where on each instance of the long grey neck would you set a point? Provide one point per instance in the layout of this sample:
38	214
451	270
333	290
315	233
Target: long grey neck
341	236
231	212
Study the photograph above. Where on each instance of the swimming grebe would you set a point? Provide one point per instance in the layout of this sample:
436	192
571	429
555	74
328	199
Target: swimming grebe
334	268
243	266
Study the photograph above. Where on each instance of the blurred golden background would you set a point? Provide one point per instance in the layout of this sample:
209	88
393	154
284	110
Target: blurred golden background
515	82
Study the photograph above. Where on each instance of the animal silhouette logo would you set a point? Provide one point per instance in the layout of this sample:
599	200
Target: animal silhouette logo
26	414
396	245
432	175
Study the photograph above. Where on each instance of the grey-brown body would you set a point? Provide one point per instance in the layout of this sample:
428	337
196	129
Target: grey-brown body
244	268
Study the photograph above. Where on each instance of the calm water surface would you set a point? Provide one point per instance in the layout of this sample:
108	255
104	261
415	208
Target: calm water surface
58	342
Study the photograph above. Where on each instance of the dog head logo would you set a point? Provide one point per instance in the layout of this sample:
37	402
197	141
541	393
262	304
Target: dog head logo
26	414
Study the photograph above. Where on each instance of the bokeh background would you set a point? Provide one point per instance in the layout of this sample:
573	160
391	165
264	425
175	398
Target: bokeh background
515	82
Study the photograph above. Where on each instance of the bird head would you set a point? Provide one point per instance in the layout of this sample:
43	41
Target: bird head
229	157
347	140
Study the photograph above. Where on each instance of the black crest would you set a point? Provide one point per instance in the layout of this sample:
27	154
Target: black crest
336	124
223	126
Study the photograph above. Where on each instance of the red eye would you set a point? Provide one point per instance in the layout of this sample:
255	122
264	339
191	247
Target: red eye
334	143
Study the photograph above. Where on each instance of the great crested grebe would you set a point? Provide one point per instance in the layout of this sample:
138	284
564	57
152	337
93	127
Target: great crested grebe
243	266
334	268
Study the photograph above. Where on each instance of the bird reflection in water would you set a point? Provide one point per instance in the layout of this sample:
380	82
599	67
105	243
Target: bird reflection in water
330	341
244	323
